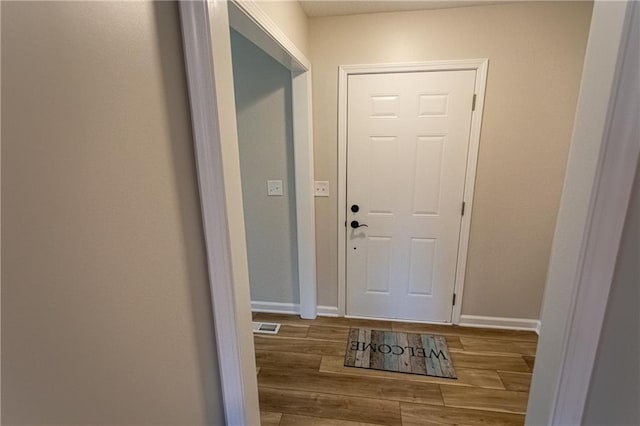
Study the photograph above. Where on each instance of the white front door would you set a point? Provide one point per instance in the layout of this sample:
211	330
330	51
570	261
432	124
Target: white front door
407	145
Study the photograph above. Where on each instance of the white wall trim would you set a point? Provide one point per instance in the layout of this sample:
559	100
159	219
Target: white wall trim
500	323
481	68
275	307
305	202
207	50
248	18
602	163
206	38
465	320
276	43
290	308
328	311
608	211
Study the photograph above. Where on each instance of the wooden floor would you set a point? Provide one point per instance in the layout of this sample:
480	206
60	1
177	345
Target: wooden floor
302	380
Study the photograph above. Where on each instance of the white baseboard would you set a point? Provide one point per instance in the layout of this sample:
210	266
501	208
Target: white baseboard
465	320
290	308
328	311
275	307
500	322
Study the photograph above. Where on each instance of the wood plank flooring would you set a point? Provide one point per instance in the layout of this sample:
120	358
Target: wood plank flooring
302	380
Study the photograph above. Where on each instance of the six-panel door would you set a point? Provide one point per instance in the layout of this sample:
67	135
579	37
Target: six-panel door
407	145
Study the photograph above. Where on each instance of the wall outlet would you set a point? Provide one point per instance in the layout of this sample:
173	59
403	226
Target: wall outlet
274	188
322	188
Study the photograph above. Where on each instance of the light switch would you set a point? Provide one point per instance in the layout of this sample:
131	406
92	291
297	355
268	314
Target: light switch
322	188
274	187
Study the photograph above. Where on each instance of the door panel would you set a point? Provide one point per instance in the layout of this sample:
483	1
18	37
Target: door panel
407	144
378	261
421	266
427	174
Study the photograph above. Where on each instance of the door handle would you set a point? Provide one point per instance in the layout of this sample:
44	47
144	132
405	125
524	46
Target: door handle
355	224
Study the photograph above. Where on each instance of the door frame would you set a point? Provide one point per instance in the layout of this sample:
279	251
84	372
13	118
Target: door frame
248	18
603	161
208	62
481	67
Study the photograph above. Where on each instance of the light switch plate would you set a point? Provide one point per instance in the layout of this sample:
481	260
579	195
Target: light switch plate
322	188
274	187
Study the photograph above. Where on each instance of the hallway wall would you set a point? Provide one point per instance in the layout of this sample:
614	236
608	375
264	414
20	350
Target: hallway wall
536	52
106	312
265	139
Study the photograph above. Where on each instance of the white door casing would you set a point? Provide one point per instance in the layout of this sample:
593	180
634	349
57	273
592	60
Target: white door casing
248	18
205	31
407	147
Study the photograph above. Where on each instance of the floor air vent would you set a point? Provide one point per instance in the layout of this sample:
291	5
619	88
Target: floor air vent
266	327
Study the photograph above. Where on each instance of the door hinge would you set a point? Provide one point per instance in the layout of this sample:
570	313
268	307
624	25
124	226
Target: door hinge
454	299
473	102
463	206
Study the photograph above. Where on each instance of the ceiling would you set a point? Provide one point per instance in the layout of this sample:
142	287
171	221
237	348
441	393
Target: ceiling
315	8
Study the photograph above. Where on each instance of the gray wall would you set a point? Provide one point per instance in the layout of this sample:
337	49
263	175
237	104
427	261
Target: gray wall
614	395
106	315
265	137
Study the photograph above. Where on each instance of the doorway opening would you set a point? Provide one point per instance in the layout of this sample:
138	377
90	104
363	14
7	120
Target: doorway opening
255	35
248	403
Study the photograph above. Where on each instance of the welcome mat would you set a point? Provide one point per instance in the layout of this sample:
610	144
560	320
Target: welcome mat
412	353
